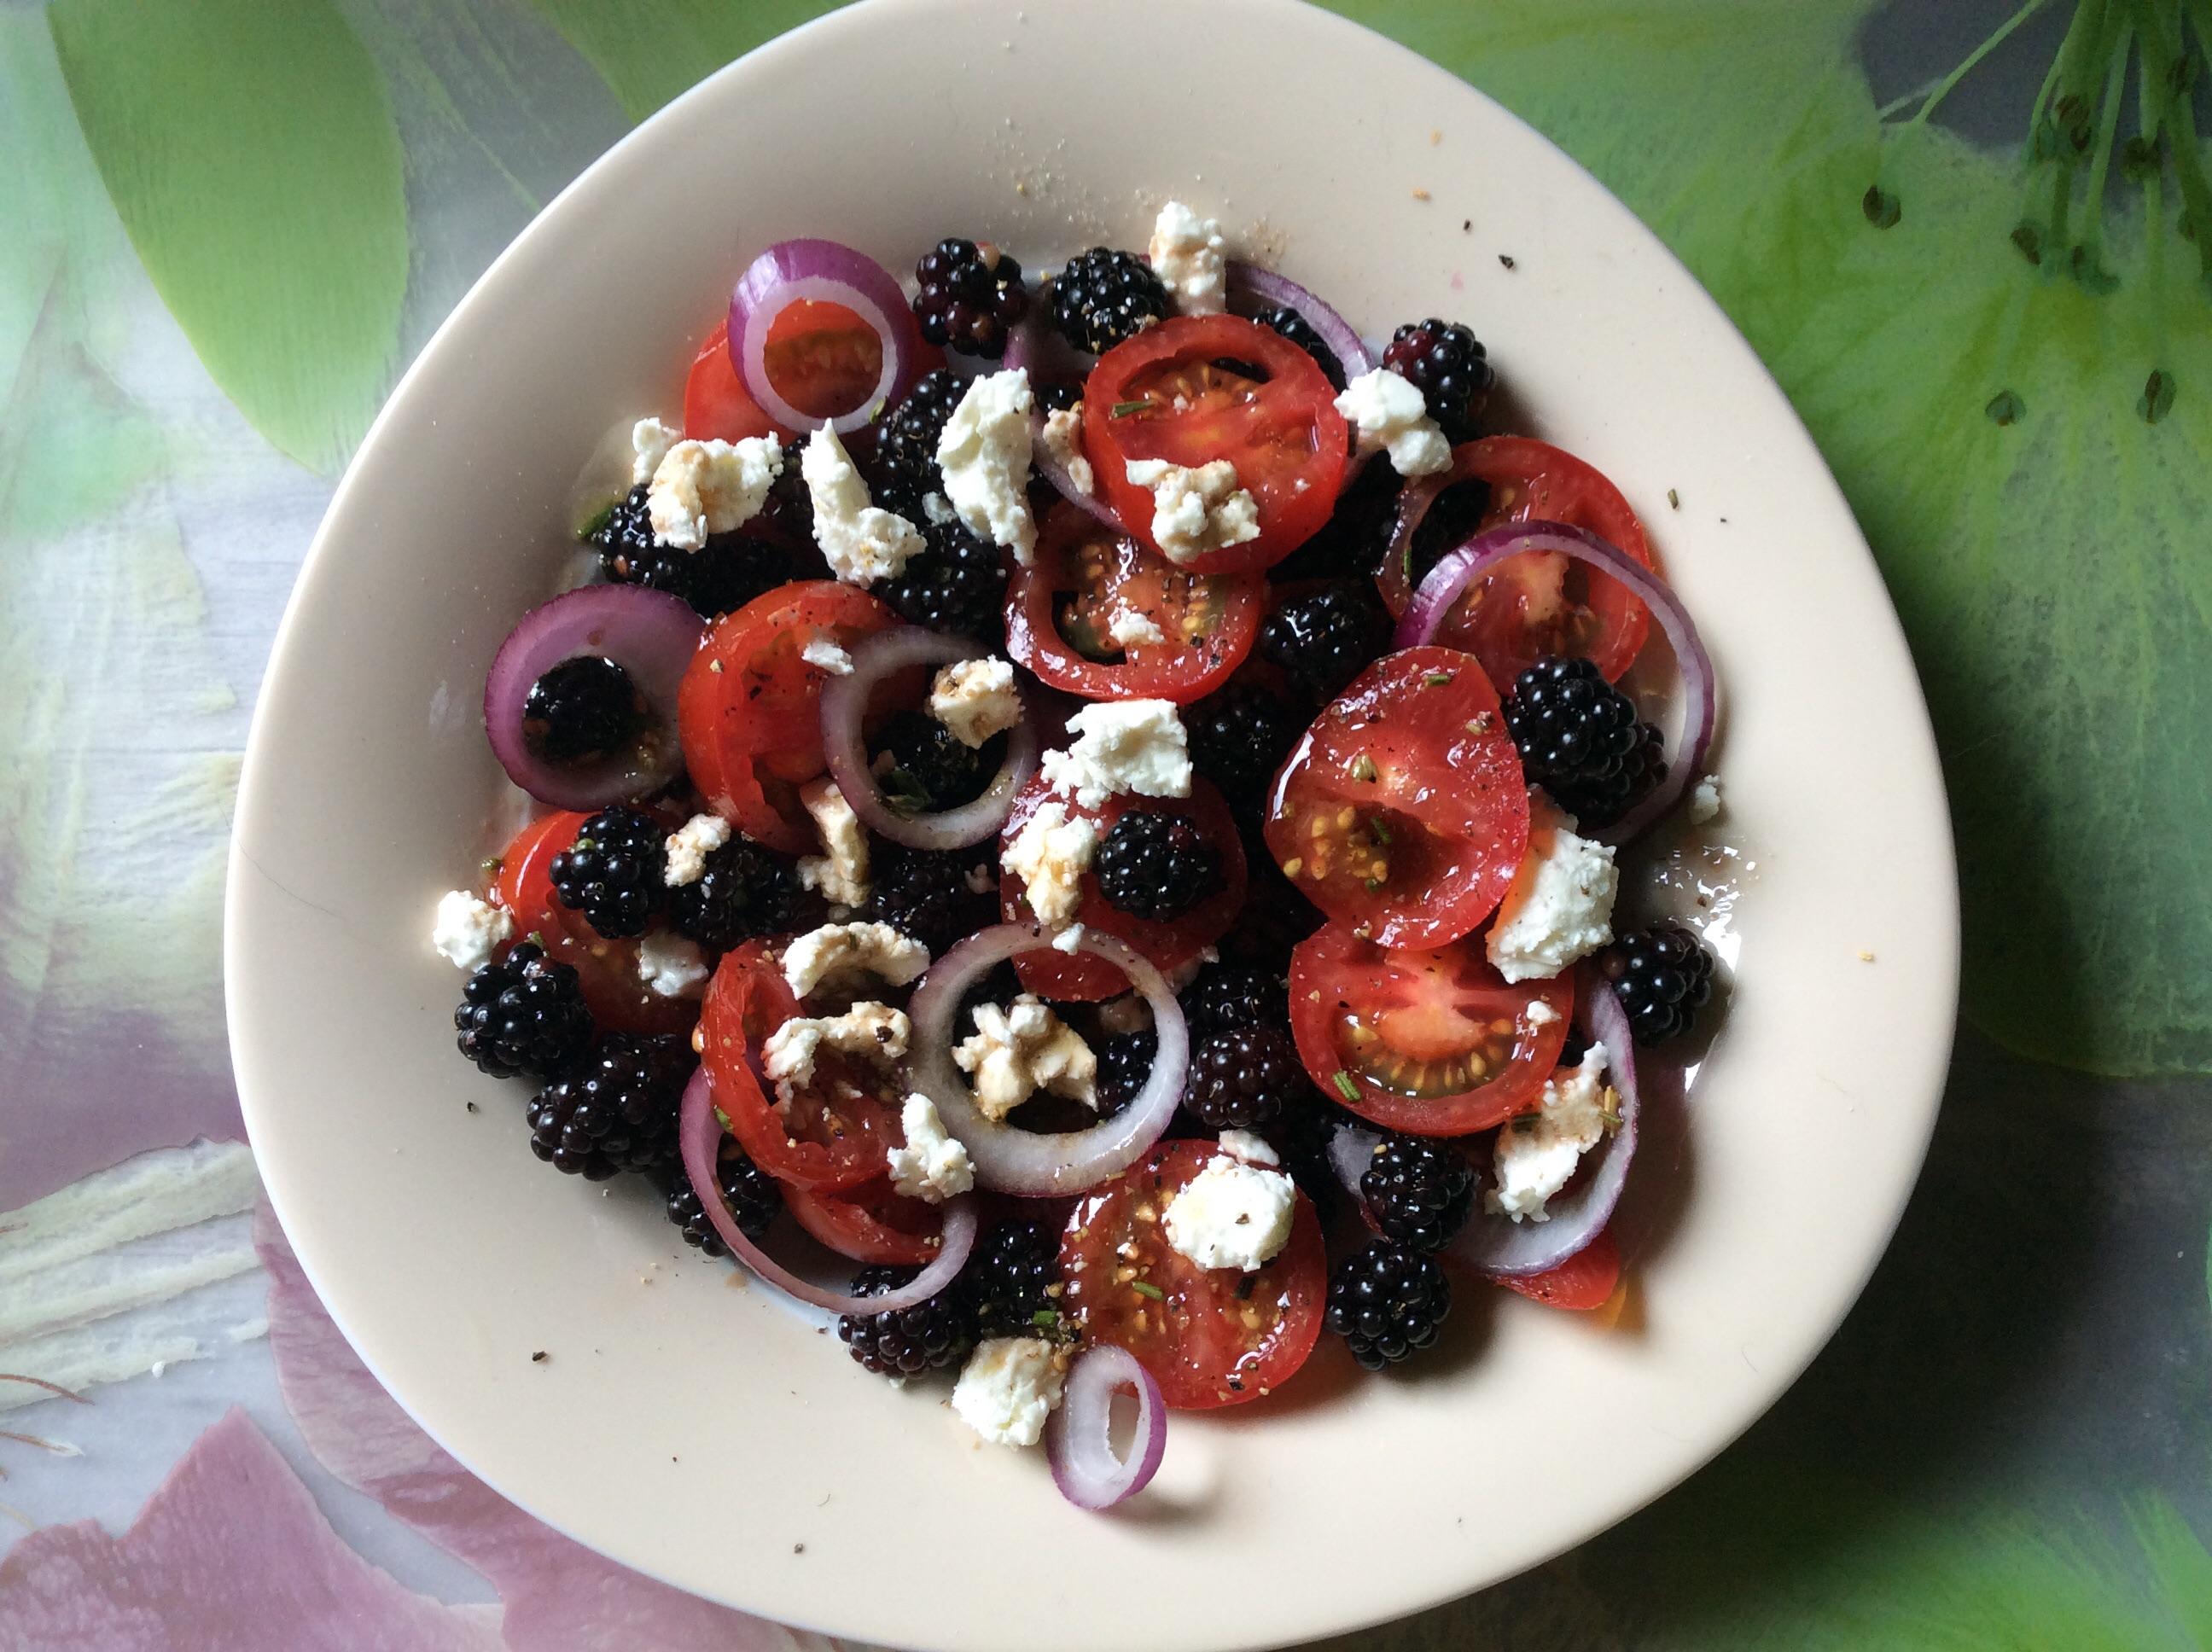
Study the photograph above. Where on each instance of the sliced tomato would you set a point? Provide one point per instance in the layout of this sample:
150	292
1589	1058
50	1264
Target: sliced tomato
750	709
870	1223
1585	1280
1060	613
1431	1043
1403	811
606	969
1210	1337
1078	976
1197	388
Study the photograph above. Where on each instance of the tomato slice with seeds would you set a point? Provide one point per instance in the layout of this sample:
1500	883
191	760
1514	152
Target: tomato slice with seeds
1431	1043
873	1223
1061	611
1197	388
1585	1280
1403	811
1211	1337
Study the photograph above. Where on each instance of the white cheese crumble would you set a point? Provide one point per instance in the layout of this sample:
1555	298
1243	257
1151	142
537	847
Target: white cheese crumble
840	871
469	931
1063	445
1009	1386
872	1032
1187	252
1018	1050
835	951
1133	629
932	1166
670	966
690	845
975	699
1121	745
1050	854
980	879
1704	799
985	454
1253	1150
1231	1214
1559	905
704	488
1539	1013
649	442
860	542
827	656
1388	414
1194	512
1069	939
937	510
1537	1152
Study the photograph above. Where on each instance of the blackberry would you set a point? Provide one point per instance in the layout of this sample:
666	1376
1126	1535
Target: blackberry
744	891
1239	736
1580	741
1104	297
921	765
906	450
1014	1277
1664	976
1352	542
1300	331
522	1013
752	1194
925	893
725	573
1452	519
1060	395
954	583
1418	1192
1125	1061
1449	366
1224	996
1244	1077
614	873
1276	917
1156	866
582	710
1301	1133
1325	638
926	1336
616	1109
969	296
1387	1302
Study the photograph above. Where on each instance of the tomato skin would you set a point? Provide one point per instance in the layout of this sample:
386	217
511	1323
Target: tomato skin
1584	1281
811	357
716	404
870	1223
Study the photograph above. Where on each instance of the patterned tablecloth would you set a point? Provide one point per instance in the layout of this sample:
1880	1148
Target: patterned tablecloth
226	224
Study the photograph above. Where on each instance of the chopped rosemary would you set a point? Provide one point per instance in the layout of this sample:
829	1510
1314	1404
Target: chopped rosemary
1362	768
1122	410
1436	679
1346	1086
1147	1288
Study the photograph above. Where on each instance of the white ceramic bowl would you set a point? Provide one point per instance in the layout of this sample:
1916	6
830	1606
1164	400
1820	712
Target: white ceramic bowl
447	1253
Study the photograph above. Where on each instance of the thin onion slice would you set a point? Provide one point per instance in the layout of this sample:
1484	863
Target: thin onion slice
1499	1246
826	272
845	702
1249	282
1078	1436
1053	470
1451	576
699	1134
1394	578
1013	1161
650	633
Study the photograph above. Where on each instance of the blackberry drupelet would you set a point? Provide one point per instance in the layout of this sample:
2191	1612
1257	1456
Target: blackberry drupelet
1224	996
1059	394
969	296
921	765
1156	866
1244	1077
522	1013
582	710
1239	736
955	583
1125	1061
744	891
1580	741
751	1193
1449	366
616	1109
1013	1278
624	537
925	893
1300	331
613	873
1388	1302
1104	297
1418	1192
1325	638
906	451
1664	976
926	1336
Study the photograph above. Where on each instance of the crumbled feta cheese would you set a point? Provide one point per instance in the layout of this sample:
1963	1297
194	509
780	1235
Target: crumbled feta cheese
1704	799
1121	745
980	879
1243	1145
937	510
1537	1152
1069	939
826	654
649	442
872	1032
1063	445
1539	1013
932	1166
1559	905
1194	512
1386	413
985	455
840	950
1187	256
1007	1388
1133	629
1050	854
704	488
1018	1050
841	872
975	699
670	966
469	931
862	542
1231	1214
690	845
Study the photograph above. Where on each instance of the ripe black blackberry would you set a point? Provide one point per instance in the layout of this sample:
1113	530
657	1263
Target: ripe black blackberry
1156	866
1301	1134
906	450
1224	996
582	710
925	893
1125	1061
955	583
1418	1192
725	573
522	1013
1352	542
1663	976
616	1109
969	296
1104	297
1449	366
908	1341
1300	331
1242	1077
1239	736
922	766
1013	1278
614	873
1325	638
1388	1302
752	1194
1058	395
1580	741
744	891
1452	519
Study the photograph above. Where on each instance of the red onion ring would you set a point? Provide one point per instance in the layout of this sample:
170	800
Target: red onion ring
650	633
845	701
1506	1249
1078	1436
1270	289
1042	462
826	272
1414	498
1012	1161
1457	570
699	1134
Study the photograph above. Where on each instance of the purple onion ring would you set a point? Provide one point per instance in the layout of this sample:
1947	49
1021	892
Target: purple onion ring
826	272
1078	1436
1250	281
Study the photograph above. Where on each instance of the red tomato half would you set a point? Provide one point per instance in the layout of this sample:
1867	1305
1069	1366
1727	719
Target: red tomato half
1197	388
870	1223
1431	1043
1403	811
1210	1337
1585	1280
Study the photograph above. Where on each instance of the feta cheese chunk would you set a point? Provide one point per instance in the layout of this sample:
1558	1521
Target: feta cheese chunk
690	845
1539	1013
860	542
827	656
837	951
985	455
1069	939
469	931
975	699
649	442
1007	1388
1231	1214
1538	1152
704	488
1018	1050
1133	629
1063	445
1387	415
1050	854
1253	1150
1121	745
872	1032
840	871
1704	799
670	966
1559	905
932	1166
1194	512
1187	256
